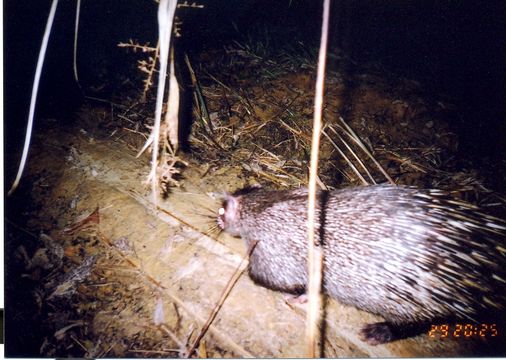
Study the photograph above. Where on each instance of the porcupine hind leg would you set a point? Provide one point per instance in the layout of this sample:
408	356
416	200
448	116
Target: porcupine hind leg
385	332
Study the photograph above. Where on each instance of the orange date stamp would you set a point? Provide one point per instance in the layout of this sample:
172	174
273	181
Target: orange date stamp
455	331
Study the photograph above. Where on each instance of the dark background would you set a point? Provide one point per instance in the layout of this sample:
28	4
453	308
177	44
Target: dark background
457	48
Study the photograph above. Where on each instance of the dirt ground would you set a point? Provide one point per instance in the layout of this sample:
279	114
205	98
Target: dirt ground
101	272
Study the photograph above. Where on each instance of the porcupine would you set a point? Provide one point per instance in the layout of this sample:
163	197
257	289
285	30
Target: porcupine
412	256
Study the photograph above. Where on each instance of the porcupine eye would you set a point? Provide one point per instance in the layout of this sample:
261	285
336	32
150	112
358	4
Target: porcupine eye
221	215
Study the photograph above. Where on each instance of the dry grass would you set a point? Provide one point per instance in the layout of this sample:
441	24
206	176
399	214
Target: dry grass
254	112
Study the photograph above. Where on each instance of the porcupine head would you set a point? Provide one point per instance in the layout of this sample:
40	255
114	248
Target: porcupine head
229	215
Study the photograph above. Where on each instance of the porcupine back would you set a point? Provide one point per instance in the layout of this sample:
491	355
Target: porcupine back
408	255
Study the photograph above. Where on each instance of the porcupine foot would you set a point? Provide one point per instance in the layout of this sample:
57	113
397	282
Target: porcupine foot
385	332
296	299
377	333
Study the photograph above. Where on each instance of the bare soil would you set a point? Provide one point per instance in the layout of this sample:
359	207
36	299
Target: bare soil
96	270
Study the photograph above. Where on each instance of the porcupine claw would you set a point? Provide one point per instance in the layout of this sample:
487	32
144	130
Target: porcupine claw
377	333
296	299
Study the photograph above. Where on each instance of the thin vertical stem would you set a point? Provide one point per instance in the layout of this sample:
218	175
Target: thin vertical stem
35	90
315	255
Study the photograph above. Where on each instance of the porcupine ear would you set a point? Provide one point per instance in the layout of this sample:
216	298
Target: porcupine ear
231	204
